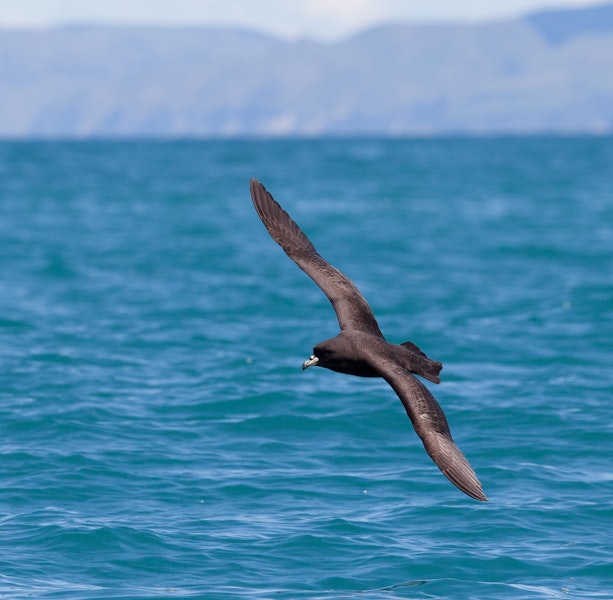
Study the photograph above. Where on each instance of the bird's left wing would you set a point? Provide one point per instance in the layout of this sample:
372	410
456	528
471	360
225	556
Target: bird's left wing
431	426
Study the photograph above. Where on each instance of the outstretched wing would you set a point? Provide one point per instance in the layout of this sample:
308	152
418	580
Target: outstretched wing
352	310
431	426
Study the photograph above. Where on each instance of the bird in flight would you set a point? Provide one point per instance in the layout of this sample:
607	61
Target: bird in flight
360	348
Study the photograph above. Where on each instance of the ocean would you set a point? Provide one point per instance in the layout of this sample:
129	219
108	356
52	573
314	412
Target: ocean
158	438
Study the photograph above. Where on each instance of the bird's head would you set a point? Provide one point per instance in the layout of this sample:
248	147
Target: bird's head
324	354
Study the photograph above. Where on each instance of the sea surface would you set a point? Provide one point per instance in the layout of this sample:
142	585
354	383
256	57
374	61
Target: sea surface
158	438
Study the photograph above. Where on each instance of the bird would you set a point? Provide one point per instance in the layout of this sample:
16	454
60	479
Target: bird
361	349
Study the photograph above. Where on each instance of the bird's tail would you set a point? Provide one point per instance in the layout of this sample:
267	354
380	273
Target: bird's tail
421	365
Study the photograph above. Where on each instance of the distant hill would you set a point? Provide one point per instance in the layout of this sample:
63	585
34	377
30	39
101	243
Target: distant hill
550	71
559	26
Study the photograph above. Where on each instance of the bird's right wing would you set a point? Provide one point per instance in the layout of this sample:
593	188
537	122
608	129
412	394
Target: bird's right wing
352	310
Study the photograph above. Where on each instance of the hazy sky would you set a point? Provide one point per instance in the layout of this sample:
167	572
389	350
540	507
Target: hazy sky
320	18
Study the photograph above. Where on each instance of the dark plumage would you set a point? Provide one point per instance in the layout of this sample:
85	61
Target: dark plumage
360	348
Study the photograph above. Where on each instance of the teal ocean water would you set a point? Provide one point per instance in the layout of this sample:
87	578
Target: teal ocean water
158	438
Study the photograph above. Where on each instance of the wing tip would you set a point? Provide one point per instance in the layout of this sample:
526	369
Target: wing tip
466	481
472	488
262	200
256	189
478	495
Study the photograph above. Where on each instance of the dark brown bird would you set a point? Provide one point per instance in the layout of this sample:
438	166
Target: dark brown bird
360	348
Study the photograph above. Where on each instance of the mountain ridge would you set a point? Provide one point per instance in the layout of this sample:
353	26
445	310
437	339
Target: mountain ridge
550	71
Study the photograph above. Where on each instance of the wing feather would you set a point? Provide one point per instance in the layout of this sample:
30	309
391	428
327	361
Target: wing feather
352	310
431	426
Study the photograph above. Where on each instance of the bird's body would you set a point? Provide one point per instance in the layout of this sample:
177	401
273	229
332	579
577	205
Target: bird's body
361	349
354	351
